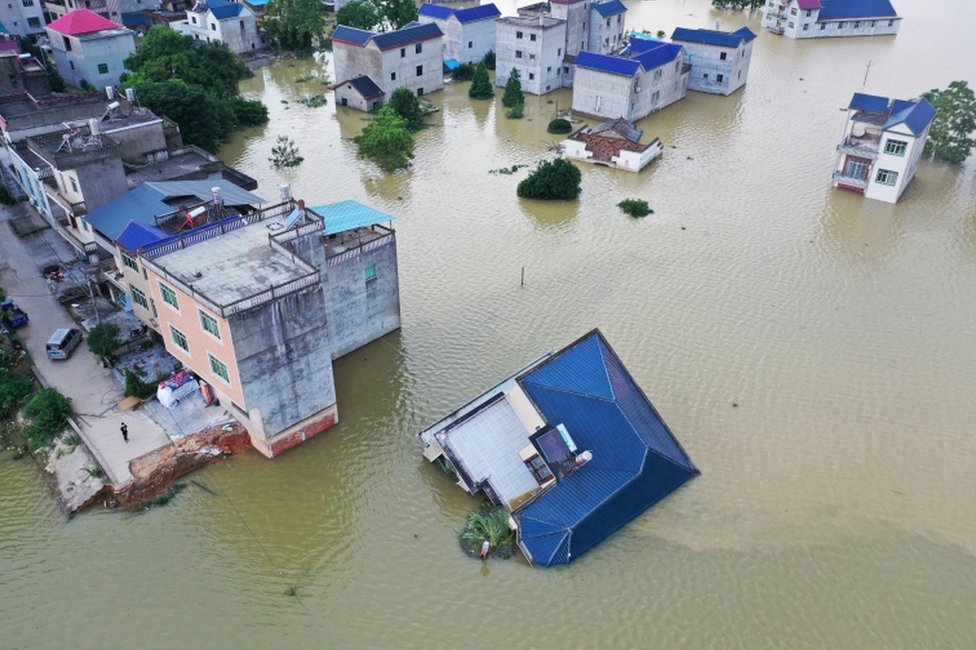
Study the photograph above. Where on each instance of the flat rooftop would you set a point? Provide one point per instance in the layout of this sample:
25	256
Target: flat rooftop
177	166
529	21
236	265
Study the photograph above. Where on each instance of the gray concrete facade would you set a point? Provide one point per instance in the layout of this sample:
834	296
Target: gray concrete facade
533	45
606	34
608	95
576	13
716	69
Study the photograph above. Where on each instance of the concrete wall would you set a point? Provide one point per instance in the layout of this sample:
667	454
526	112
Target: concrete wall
20	20
905	165
346	95
240	33
403	62
88	52
140	140
576	14
606	34
475	40
352	61
708	67
539	62
101	182
601	94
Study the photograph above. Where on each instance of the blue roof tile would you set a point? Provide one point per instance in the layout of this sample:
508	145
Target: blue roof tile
658	56
351	35
365	87
745	33
711	37
869	103
136	235
916	115
606	63
843	9
480	12
610	8
412	33
221	9
435	11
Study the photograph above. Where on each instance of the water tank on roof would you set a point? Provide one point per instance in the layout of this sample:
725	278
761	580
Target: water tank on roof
110	92
130	94
94	127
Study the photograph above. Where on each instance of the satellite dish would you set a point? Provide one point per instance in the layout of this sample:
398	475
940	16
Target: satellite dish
858	131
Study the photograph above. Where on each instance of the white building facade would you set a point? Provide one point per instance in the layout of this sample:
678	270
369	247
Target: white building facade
606	31
90	48
719	60
830	18
535	46
883	143
23	17
222	22
469	34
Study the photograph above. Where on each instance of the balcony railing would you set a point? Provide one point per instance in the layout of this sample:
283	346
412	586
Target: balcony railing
863	148
843	178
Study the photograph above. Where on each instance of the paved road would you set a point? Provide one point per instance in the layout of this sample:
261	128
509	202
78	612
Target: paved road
93	391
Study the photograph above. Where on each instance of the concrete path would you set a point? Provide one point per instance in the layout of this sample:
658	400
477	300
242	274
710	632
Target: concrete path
93	391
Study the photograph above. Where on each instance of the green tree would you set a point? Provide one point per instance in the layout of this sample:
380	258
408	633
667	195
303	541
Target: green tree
294	24
14	389
738	5
199	114
481	87
361	14
513	91
490	60
552	179
103	341
386	140
950	137
398	13
285	153
405	103
48	411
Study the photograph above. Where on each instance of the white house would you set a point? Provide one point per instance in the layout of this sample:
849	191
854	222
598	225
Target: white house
535	46
222	22
646	77
830	18
469	34
606	27
23	17
409	57
612	144
883	143
88	47
719	60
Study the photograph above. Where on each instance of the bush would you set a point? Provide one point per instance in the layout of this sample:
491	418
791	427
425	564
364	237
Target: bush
6	197
481	85
489	60
555	179
559	125
464	72
488	523
386	140
103	341
136	387
404	103
48	412
516	112
14	390
248	112
513	90
635	207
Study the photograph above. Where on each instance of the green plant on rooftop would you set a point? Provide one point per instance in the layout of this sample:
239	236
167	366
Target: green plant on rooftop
489	523
556	179
635	207
481	85
284	153
950	135
386	140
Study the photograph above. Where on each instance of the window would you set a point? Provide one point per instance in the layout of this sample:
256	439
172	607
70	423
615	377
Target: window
71	64
67	43
658	73
891	23
531	57
840	25
33	22
531	76
565	69
219	368
403	52
792	11
806	27
857	24
193	19
370	272
418	48
209	324
559	52
531	37
420	92
169	296
719	78
28	3
886	177
470	44
74	184
656	96
213	27
872	23
130	261
139	298
549	70
808	13
420	70
722	56
896	147
392	76
705	76
518	54
179	339
102	68
791	25
823	26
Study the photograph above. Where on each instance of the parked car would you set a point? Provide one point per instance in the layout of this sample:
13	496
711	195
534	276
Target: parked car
12	315
62	343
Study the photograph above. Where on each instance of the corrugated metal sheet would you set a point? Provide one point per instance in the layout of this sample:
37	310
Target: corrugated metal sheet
435	11
658	56
915	115
481	12
351	35
412	33
605	63
710	37
366	87
611	8
349	215
137	235
842	9
869	103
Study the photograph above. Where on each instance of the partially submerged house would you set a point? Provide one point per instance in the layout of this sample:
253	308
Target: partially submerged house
410	57
469	33
830	18
882	146
719	60
219	21
612	144
569	445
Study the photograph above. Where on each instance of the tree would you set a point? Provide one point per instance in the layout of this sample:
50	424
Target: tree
552	179
103	341
48	411
199	114
285	153
950	136
29	46
294	24
559	125
361	14
513	91
14	389
490	59
398	13
386	140
481	87
738	5
407	106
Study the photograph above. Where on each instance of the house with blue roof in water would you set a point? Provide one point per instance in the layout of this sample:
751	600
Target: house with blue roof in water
369	66
719	60
469	33
569	445
830	18
219	21
645	77
882	146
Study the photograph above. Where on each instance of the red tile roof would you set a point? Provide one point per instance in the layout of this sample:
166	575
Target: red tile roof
81	21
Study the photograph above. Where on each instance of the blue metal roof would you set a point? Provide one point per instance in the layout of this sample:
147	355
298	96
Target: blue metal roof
915	115
147	201
745	33
636	461
136	19
658	56
710	37
843	9
351	35
137	235
869	103
606	63
610	8
435	11
349	215
412	33
642	43
366	87
480	12
220	8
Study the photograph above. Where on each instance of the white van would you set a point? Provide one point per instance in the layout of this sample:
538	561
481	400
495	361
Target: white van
62	343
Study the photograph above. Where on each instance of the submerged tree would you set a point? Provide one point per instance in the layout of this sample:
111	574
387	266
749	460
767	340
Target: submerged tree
556	179
481	85
950	137
738	5
513	90
293	24
361	14
386	140
405	103
285	153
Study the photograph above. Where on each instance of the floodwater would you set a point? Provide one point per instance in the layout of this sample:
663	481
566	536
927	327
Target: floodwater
837	502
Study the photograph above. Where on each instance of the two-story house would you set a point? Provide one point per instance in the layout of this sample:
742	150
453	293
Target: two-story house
536	47
90	48
830	18
883	143
218	21
469	33
371	66
607	27
719	60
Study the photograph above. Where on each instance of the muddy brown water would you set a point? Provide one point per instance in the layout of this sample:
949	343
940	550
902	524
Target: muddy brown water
837	501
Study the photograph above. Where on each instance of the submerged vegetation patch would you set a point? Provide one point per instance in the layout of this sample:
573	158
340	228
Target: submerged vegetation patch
489	523
507	170
635	207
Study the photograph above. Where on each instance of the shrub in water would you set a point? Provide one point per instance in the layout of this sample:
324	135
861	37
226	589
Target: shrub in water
559	125
552	179
635	207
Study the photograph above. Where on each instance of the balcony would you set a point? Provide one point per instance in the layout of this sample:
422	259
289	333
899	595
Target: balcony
866	147
843	179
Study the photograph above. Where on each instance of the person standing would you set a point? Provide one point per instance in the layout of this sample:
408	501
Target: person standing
125	431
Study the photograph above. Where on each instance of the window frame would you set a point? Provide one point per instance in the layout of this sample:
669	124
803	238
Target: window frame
890	177
204	317
139	297
167	293
179	338
895	147
215	368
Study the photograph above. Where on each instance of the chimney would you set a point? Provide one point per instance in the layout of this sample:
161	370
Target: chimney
110	92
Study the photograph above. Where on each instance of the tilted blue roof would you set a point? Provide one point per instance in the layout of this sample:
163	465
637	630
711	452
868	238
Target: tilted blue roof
658	56
869	103
412	33
220	8
711	37
610	8
480	12
745	33
349	215
642	43
636	461
915	115
351	35
137	235
435	11
842	9
606	63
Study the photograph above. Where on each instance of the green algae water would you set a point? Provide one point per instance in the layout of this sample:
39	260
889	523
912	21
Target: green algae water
837	502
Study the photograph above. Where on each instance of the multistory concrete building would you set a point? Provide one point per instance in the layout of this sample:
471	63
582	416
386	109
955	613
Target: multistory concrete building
469	33
719	60
830	18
